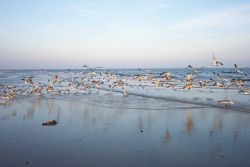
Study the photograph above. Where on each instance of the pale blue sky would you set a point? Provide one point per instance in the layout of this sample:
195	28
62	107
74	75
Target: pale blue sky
128	33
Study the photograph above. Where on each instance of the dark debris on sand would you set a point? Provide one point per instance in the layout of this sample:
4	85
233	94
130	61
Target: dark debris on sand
50	123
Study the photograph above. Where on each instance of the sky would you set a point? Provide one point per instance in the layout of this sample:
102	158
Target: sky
123	33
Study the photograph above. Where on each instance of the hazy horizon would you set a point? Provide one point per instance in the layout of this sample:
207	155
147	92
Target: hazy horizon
53	34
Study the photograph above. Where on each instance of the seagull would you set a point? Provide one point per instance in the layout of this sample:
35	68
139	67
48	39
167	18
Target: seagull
194	70
225	102
166	75
188	86
236	82
239	70
189	77
125	93
218	84
244	91
203	84
140	78
216	62
219	77
97	83
27	81
158	83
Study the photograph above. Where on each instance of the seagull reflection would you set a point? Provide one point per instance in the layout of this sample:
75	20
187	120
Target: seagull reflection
167	135
190	123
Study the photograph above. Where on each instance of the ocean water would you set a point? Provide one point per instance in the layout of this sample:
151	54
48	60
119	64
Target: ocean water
203	96
149	127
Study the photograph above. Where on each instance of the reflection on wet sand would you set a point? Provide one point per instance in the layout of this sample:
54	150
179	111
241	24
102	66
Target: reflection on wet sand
167	135
158	131
94	114
189	123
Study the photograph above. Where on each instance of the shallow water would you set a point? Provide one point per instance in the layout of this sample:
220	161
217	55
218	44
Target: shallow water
103	129
203	96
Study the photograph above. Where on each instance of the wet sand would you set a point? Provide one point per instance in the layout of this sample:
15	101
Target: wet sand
112	130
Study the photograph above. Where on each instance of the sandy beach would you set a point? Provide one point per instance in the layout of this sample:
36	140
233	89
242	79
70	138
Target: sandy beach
94	130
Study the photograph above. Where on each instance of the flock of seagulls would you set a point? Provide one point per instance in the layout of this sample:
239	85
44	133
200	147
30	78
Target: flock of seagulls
89	79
